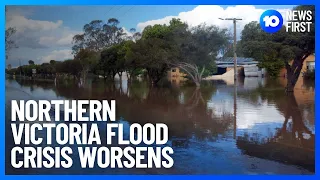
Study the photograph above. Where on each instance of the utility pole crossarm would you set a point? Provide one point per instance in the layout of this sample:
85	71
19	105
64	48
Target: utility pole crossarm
233	19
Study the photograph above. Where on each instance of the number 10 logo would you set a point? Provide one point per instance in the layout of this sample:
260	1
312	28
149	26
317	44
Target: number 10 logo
271	21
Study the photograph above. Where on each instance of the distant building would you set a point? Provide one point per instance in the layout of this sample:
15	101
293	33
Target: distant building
176	76
245	66
9	67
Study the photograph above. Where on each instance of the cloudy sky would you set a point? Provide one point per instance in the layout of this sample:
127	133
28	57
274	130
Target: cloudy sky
45	32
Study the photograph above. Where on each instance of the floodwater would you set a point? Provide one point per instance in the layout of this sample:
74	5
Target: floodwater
251	128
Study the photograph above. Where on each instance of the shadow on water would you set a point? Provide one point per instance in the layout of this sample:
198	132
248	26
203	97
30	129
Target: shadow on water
204	132
293	142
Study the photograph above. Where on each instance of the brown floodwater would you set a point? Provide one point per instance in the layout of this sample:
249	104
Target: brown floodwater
251	128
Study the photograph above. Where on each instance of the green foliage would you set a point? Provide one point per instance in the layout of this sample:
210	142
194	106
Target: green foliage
201	45
274	50
273	67
87	58
108	61
48	70
52	62
156	31
9	42
98	35
27	69
103	49
151	54
163	46
210	69
31	62
69	67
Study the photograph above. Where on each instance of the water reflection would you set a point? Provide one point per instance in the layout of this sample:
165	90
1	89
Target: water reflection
292	142
251	128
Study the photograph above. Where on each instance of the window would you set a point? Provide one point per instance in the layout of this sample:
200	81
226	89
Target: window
310	65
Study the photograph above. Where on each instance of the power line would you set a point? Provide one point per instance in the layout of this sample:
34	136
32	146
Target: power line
116	10
119	8
127	11
110	10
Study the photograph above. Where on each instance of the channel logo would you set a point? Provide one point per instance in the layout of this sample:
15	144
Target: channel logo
271	21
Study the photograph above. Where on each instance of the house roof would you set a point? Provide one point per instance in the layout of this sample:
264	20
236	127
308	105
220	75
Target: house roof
228	61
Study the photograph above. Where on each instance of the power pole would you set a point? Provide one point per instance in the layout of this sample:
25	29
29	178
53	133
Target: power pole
235	48
234	43
235	73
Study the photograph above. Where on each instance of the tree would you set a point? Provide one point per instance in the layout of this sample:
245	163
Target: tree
69	67
10	44
87	59
31	62
257	44
136	35
98	35
52	62
133	64
299	45
108	61
281	49
152	54
177	45
123	63
198	48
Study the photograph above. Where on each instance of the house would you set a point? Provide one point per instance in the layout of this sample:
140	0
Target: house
175	75
308	65
245	66
305	88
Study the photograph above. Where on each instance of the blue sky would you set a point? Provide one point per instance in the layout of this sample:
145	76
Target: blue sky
45	32
129	16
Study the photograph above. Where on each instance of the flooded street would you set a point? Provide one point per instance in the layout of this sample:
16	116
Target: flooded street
253	128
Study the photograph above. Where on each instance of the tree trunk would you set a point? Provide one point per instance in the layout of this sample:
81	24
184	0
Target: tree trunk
120	76
155	74
128	76
290	82
113	75
192	70
293	71
104	75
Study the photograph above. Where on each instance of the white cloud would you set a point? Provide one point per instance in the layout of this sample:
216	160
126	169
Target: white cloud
45	40
36	34
164	20
66	40
57	55
128	33
61	37
23	24
209	14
